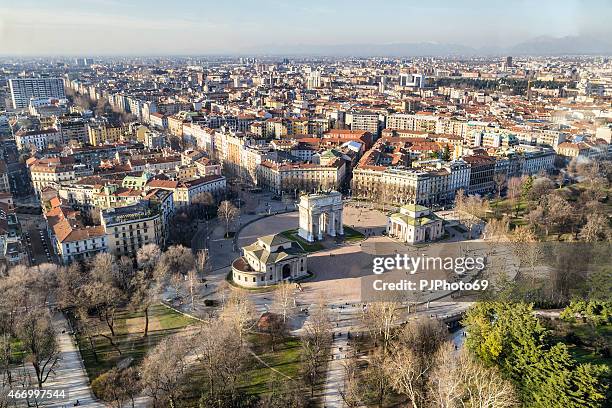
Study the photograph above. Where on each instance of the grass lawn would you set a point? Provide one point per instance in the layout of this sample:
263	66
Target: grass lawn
17	351
256	378
129	329
306	246
351	234
285	359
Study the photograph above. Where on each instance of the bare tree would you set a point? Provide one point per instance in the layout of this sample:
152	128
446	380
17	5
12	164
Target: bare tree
202	202
558	211
284	393
238	313
497	229
487	388
284	300
163	371
125	273
446	385
406	375
35	330
597	228
145	293
227	212
223	359
202	261
103	298
500	182
411	359
514	192
148	256
458	381
380	318
460	198
100	291
375	383
69	282
117	386
193	285
350	392
542	186
316	341
177	259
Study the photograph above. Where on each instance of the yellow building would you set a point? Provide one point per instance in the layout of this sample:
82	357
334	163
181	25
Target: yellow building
104	134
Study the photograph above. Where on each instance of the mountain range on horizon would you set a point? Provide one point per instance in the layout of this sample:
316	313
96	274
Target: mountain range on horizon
545	46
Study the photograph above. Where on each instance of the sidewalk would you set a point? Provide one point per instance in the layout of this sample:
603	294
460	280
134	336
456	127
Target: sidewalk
71	373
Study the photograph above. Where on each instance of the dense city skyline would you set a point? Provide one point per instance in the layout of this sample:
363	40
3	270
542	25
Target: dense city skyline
110	27
323	204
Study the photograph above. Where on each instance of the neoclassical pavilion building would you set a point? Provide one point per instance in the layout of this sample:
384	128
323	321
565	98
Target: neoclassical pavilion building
269	260
414	224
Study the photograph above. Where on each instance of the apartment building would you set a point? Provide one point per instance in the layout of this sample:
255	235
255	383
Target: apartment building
81	193
482	170
12	251
4	179
185	192
292	177
72	129
71	239
22	89
420	122
52	172
368	121
131	227
400	185
38	139
106	134
158	120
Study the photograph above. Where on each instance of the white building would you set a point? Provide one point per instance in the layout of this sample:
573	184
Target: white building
268	261
22	89
415	224
40	139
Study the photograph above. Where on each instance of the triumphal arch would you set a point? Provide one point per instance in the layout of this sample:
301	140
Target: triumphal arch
320	214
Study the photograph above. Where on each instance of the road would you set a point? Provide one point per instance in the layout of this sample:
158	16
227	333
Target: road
36	239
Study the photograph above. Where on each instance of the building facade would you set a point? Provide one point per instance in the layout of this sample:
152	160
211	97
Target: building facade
22	89
268	261
415	224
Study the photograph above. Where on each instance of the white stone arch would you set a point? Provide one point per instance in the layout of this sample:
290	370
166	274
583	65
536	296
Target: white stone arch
320	215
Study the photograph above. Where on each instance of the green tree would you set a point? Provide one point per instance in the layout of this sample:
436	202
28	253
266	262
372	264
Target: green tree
446	153
510	336
526	187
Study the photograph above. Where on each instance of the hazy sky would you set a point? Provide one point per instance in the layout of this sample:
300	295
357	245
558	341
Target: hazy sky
95	27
